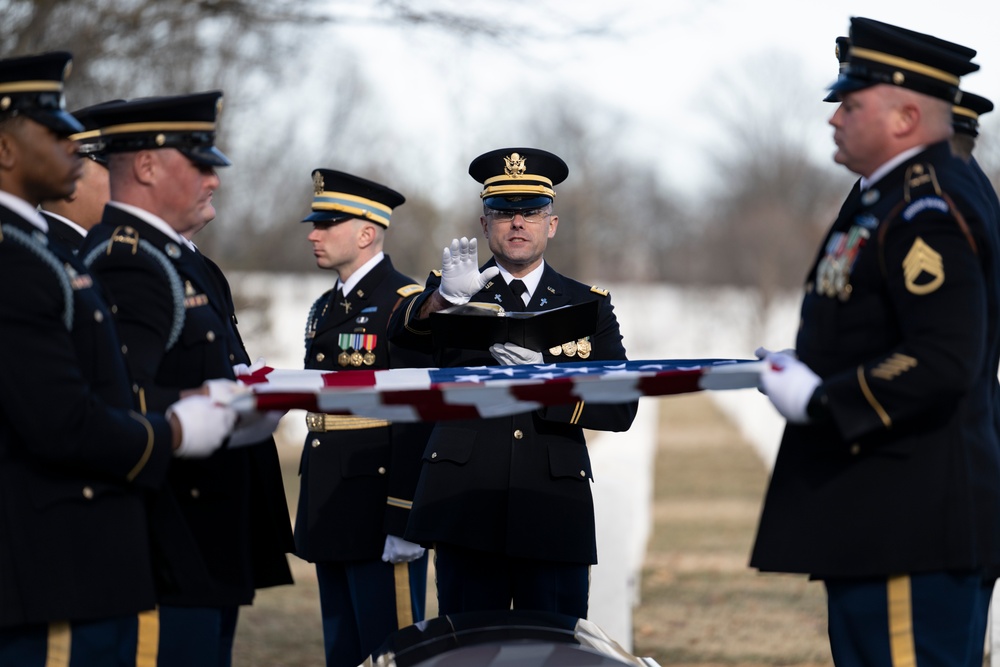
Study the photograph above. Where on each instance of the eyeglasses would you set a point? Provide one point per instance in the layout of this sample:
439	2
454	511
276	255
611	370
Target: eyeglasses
532	215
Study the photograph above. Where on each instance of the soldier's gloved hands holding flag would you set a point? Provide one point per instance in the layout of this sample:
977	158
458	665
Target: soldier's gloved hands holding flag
789	384
460	276
398	550
510	354
204	425
253	427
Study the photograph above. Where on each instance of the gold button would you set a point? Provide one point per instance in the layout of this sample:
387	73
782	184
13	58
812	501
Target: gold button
195	493
315	442
583	473
232	357
114	309
855	449
320	356
124	349
381	470
98	316
518	434
88	492
210	336
434	455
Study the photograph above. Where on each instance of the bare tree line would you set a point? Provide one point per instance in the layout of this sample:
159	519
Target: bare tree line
757	226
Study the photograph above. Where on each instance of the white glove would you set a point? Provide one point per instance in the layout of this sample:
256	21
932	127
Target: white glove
398	550
243	369
204	425
255	427
460	277
510	354
789	384
222	391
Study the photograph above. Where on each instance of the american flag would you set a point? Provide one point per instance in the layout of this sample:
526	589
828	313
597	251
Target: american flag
436	394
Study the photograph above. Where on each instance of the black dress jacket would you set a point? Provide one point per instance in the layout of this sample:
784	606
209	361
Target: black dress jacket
519	485
357	481
900	320
175	324
76	458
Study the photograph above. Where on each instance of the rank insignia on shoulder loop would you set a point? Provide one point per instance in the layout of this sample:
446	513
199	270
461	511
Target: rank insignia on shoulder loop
173	250
126	236
922	260
918	176
597	290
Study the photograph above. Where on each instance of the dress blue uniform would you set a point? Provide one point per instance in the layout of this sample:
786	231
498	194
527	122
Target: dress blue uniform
175	318
76	458
506	502
890	492
358	474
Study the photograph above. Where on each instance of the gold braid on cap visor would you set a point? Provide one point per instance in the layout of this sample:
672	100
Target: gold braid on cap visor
903	63
522	185
354	205
31	87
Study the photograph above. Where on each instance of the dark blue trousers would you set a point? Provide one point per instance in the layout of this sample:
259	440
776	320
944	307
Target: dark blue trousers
123	641
197	636
363	602
928	619
470	580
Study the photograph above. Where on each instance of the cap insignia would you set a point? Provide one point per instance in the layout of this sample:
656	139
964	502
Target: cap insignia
898	78
318	184
514	165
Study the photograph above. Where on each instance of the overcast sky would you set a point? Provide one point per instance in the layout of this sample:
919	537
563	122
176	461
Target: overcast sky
671	68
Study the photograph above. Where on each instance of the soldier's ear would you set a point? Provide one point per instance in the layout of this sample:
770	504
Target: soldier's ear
8	146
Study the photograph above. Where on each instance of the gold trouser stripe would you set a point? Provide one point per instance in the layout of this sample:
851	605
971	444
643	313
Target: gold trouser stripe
148	648
318	422
901	644
404	611
577	413
59	643
870	397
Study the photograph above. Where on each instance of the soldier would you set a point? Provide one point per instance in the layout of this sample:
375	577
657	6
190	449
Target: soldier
506	502
175	322
76	577
885	485
358	474
70	218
